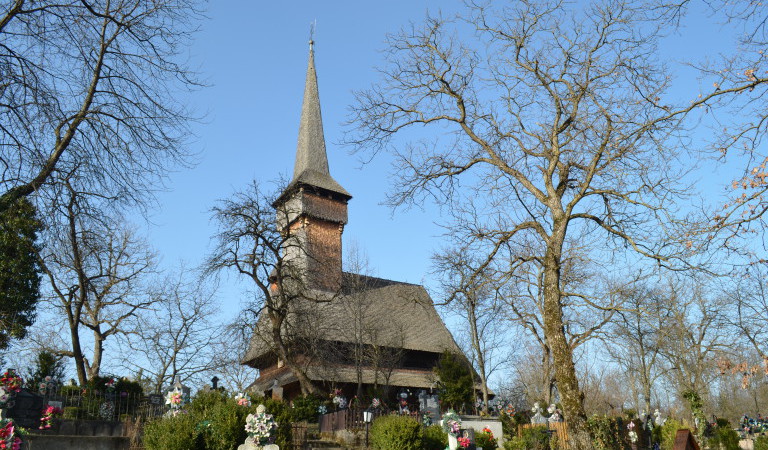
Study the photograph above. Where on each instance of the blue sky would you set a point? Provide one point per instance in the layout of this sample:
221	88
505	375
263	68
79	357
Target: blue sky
254	55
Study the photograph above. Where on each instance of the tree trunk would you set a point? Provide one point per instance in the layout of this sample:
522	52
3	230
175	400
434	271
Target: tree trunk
307	387
77	351
478	353
98	349
571	396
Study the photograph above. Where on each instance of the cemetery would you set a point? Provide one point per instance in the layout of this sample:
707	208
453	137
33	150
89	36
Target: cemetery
419	393
116	416
597	202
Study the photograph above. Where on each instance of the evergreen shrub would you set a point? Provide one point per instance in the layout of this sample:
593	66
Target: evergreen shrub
172	433
723	437
761	443
213	421
226	422
283	415
606	432
71	412
529	439
70	391
434	438
396	433
668	433
305	408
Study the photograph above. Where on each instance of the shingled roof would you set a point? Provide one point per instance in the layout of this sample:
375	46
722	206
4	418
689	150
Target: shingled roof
311	166
403	314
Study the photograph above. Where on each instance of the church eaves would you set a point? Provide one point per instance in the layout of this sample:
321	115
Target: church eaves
311	167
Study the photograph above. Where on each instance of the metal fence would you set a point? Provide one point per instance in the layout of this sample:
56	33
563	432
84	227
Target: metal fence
90	404
345	419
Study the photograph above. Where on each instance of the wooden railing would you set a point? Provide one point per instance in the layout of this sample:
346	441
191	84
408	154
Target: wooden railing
345	419
298	435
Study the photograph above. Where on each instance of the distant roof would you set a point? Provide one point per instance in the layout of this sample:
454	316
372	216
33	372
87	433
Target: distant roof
401	315
311	166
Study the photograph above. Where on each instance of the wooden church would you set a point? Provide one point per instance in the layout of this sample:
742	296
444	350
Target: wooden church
371	336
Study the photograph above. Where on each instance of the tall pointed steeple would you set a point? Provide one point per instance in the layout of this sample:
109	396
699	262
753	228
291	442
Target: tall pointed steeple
313	207
311	166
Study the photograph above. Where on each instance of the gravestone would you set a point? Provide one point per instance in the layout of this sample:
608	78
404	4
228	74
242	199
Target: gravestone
469	433
429	404
27	409
684	441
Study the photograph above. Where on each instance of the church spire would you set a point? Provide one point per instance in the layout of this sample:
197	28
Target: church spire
313	207
311	167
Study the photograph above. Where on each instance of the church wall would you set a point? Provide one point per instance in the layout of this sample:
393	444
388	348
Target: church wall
324	248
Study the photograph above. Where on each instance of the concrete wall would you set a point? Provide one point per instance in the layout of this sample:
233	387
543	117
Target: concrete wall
477	423
69	434
59	442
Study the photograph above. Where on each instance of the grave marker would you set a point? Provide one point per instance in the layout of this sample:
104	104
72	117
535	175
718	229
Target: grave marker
684	441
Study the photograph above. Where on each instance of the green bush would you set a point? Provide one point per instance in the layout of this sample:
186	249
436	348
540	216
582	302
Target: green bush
71	412
434	438
606	432
172	433
70	391
305	408
454	382
227	425
132	388
535	438
723	437
396	433
761	443
213	421
284	416
206	401
668	432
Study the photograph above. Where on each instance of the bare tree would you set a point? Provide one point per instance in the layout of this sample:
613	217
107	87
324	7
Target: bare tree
231	351
95	273
750	297
249	241
91	84
696	337
477	303
176	335
553	118
636	338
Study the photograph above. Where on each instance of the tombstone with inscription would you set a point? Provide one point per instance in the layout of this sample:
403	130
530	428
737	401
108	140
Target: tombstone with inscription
156	404
429	405
469	433
26	409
